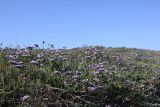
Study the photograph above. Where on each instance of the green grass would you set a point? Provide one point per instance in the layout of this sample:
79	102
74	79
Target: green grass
80	77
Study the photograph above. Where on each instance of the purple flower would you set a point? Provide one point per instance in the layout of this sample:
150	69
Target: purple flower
65	58
76	78
34	62
24	98
96	73
25	55
19	63
40	55
67	73
101	69
92	89
19	66
11	57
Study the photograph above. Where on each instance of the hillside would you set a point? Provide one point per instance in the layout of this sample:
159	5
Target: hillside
89	76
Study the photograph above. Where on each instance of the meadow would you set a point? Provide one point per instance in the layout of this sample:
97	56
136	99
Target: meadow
87	76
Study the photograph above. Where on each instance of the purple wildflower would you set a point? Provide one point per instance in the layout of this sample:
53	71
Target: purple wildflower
24	98
19	63
19	66
101	69
76	78
67	73
34	62
92	89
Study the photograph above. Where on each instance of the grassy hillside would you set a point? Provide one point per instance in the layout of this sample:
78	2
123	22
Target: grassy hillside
80	77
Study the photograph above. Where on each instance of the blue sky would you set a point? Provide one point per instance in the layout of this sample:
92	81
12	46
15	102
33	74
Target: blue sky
73	23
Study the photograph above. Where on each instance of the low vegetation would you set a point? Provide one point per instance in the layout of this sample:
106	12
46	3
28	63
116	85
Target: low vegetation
90	76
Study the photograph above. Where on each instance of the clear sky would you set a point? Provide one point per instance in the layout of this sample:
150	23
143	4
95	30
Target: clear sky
73	23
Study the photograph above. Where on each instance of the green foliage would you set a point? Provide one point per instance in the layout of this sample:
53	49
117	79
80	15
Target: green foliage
80	77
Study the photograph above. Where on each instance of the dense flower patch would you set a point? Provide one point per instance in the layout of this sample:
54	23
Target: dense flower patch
80	77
